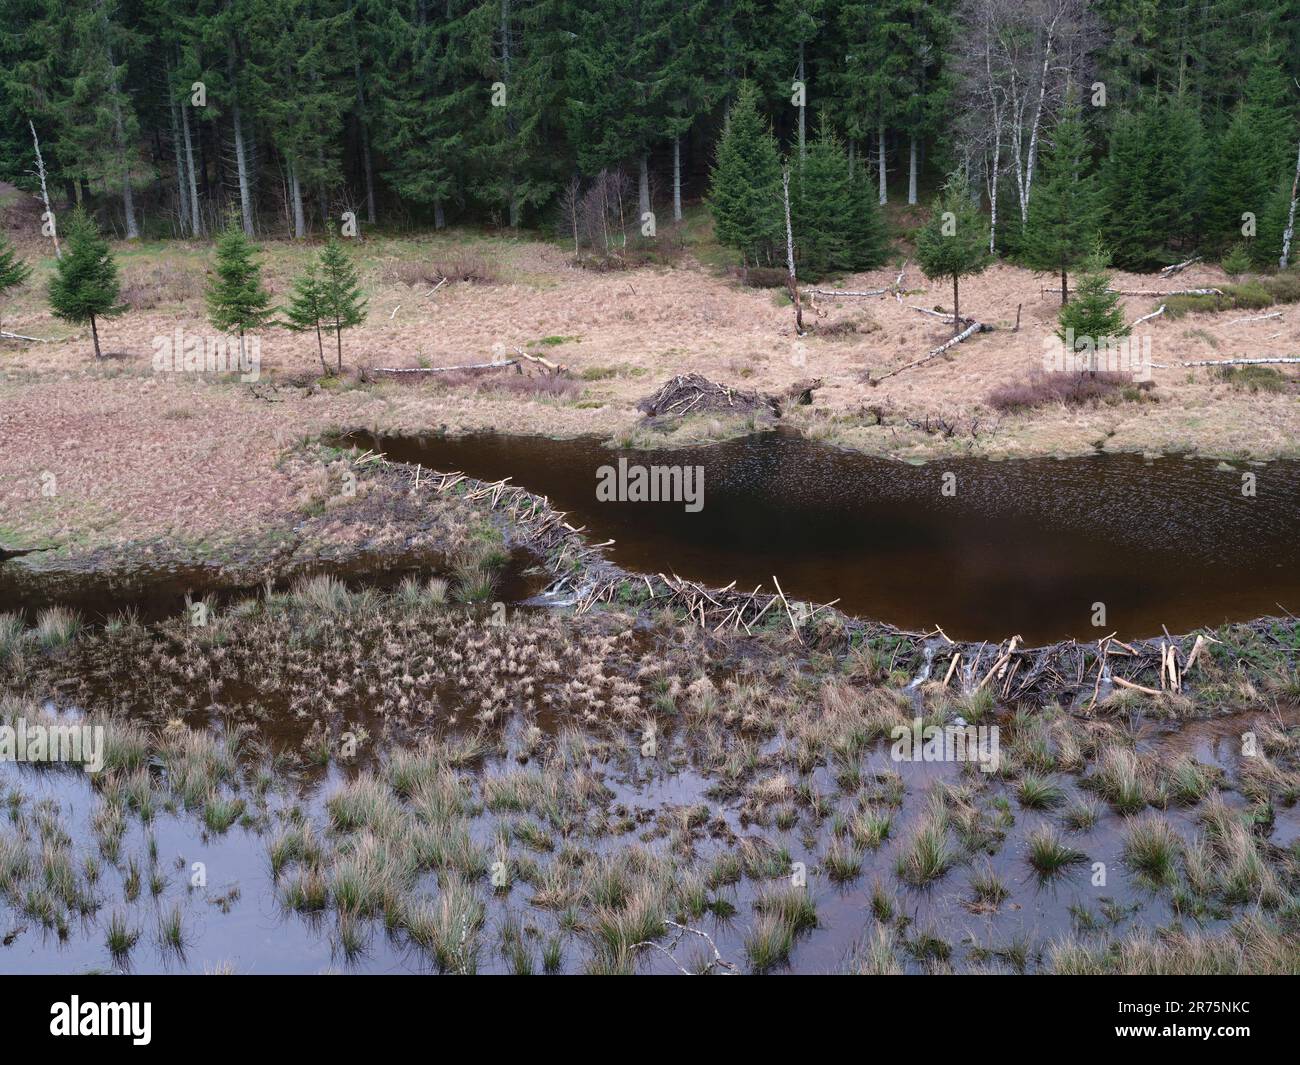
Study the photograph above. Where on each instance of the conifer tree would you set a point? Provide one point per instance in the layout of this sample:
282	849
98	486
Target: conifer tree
236	297
953	243
1064	213
1153	183
745	190
836	226
341	303
85	285
306	311
13	271
1094	317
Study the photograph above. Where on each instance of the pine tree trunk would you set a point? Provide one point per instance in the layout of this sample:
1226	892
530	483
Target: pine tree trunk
320	350
366	162
119	131
295	189
338	339
94	333
241	165
196	226
439	219
956	310
182	191
880	157
371	217
853	158
677	179
911	173
643	187
1065	289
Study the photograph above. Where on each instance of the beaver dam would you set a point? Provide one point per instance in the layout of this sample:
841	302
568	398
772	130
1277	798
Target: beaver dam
1044	548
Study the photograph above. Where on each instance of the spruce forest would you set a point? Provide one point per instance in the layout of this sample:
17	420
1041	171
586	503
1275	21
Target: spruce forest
1179	115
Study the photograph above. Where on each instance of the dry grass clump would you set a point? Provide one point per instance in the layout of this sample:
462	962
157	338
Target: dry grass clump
1253	947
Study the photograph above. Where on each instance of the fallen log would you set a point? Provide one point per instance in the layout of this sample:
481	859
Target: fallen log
969	331
1178	292
1255	318
847	292
1178	268
939	314
444	369
545	363
1147	317
19	336
1289	359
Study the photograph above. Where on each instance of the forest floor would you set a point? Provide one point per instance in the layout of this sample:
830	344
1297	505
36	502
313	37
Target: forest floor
134	453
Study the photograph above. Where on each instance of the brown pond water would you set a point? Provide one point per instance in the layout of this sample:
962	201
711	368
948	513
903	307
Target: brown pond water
1025	546
155	592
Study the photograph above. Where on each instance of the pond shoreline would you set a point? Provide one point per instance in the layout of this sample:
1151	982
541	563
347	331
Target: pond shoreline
578	576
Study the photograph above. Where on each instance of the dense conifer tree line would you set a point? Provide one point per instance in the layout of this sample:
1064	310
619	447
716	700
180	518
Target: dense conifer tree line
1161	126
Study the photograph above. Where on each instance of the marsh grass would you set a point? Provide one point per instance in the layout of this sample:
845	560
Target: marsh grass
1151	848
56	627
927	855
781	915
1048	854
1039	793
121	936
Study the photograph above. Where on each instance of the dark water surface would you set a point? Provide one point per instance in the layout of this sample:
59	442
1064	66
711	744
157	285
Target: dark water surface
1025	546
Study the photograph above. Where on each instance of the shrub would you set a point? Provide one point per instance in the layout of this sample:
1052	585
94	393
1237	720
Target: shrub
1073	389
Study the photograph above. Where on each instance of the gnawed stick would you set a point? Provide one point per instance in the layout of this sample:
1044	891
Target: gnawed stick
788	612
1134	687
952	667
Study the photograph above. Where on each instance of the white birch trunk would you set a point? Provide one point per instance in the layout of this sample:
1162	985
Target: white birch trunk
643	186
1290	220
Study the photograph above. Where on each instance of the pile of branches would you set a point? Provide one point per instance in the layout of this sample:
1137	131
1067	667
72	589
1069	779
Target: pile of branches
693	393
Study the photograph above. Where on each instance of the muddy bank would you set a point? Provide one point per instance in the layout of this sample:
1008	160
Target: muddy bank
367	531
